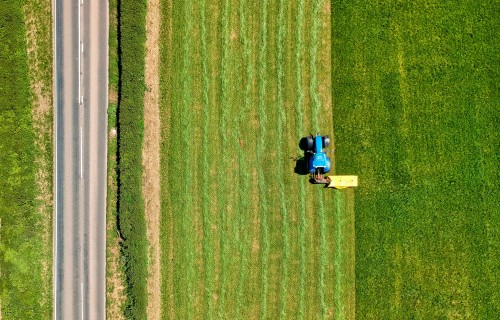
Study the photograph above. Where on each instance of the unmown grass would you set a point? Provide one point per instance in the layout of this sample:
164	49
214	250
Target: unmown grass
416	112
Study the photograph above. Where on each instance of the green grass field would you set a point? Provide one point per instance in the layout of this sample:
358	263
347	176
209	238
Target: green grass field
242	235
25	149
410	91
416	109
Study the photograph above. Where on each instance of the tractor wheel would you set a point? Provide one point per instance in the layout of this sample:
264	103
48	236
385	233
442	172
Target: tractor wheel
326	141
310	142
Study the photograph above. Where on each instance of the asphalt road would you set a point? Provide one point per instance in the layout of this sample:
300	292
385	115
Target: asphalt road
81	82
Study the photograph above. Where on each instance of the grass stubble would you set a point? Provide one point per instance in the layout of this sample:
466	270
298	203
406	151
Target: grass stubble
259	247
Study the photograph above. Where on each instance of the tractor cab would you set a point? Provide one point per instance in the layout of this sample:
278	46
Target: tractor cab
319	161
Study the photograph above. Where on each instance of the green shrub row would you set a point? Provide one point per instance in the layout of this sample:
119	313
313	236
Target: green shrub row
131	220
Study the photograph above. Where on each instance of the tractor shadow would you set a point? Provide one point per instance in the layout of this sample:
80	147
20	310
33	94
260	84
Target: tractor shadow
301	163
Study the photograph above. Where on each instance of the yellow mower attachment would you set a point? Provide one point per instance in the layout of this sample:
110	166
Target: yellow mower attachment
342	182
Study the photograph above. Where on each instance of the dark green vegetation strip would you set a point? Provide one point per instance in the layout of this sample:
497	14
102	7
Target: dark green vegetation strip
417	107
131	220
21	243
115	275
243	236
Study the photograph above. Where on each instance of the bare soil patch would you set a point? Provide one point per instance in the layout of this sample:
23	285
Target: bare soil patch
112	96
116	289
115	279
151	157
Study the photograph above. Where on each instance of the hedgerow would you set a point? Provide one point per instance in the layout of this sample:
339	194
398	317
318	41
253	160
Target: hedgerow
131	220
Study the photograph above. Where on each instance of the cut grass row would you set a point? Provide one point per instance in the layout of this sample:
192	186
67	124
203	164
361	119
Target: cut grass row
285	227
186	139
208	257
416	115
299	122
261	148
245	177
225	139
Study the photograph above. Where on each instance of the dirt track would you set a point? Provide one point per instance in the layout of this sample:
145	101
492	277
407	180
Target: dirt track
151	157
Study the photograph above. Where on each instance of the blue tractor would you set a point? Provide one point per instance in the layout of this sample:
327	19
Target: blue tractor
318	163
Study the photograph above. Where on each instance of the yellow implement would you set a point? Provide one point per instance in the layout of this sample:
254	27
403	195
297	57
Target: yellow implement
342	182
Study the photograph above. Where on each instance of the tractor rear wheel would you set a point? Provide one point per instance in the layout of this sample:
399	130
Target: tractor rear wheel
326	141
310	142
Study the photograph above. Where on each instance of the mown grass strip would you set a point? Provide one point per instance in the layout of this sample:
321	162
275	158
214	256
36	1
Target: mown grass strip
261	275
186	114
299	123
131	219
179	177
244	168
299	40
223	135
167	225
313	59
261	145
315	109
281	118
205	179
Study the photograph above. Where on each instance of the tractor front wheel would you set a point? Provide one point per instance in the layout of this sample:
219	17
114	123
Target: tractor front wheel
326	141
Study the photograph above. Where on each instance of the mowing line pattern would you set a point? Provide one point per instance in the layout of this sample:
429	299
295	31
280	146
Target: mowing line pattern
240	87
187	220
208	258
167	243
224	90
313	59
315	110
243	169
281	118
299	122
261	143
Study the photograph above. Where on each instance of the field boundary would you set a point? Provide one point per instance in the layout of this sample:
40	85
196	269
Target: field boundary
131	217
115	269
39	48
151	157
